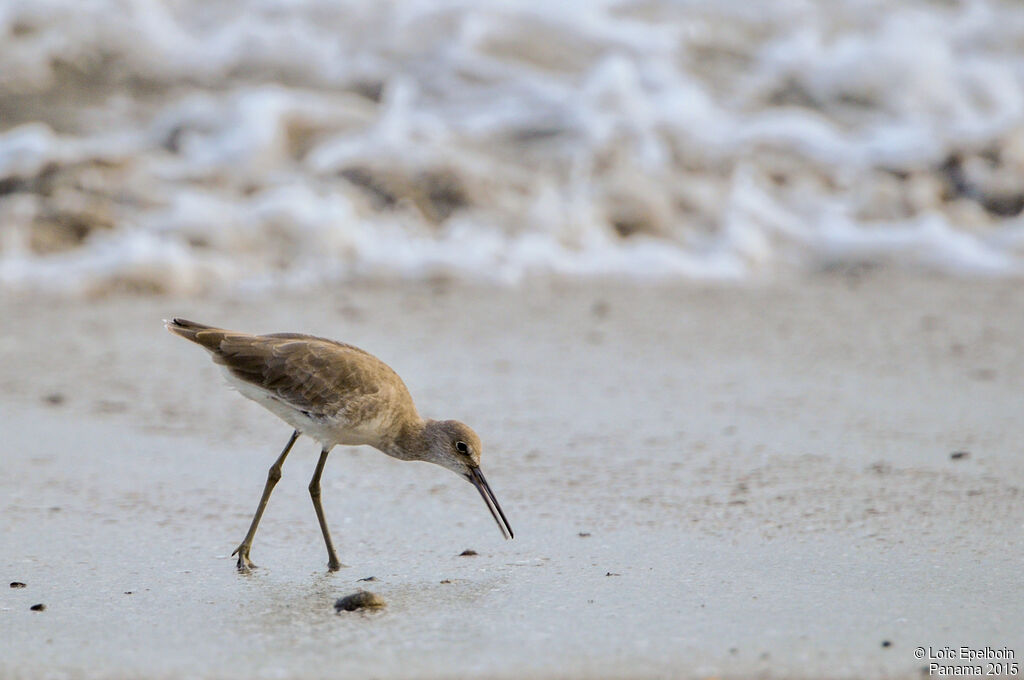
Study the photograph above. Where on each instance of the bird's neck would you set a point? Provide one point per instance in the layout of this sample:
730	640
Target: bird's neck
411	442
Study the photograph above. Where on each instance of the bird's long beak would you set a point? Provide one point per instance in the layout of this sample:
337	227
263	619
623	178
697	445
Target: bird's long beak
477	478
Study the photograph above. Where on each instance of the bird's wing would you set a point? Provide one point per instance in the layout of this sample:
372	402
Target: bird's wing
318	376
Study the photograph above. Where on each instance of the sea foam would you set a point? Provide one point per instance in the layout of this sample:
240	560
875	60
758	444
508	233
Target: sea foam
185	146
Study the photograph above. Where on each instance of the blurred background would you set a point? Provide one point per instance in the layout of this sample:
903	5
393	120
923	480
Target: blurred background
183	146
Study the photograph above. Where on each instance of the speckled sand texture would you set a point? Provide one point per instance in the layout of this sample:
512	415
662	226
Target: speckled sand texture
737	482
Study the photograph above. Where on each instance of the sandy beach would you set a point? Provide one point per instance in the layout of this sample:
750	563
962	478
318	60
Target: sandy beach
705	481
731	292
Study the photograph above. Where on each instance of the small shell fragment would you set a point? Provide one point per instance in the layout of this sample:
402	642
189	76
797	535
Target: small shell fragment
363	599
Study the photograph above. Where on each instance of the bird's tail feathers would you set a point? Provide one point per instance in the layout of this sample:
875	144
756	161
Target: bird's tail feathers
185	328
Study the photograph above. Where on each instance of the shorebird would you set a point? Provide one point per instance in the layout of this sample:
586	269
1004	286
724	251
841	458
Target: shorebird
336	394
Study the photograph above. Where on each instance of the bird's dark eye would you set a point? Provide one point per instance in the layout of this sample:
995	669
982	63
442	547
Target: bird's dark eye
461	447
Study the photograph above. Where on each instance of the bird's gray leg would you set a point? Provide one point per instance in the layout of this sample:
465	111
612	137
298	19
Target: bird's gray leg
314	492
274	474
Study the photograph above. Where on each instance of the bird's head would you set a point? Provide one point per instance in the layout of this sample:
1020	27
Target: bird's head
456	446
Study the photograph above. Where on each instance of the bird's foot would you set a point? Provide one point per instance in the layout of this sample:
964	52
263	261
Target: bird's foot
334	564
245	565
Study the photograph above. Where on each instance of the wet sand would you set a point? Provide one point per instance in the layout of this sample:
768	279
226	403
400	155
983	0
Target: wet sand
704	481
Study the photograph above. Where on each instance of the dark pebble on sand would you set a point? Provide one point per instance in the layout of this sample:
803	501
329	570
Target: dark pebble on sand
368	578
886	643
17	584
612	573
957	455
360	600
447	580
467	553
38	607
584	534
54	399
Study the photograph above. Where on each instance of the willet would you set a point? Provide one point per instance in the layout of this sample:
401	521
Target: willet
336	394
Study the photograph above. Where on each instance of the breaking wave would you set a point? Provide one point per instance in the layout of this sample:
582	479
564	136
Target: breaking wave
187	145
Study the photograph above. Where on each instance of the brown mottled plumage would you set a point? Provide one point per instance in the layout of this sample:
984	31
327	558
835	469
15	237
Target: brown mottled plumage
336	394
